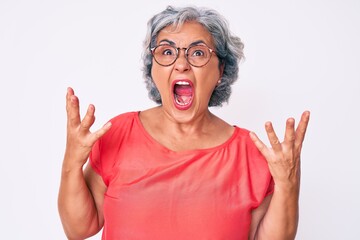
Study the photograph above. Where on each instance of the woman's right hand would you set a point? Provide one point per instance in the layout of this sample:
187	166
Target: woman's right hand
79	139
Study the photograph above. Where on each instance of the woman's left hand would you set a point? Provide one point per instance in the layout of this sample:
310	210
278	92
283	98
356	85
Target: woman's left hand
284	157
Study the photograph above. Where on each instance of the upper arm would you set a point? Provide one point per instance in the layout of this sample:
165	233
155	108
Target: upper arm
97	189
257	215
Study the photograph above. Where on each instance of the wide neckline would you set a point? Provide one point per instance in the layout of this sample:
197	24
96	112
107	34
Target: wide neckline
166	149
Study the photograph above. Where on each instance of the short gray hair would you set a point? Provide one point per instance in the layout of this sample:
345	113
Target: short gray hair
228	48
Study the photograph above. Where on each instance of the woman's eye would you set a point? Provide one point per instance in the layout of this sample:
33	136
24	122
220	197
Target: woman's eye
168	52
198	53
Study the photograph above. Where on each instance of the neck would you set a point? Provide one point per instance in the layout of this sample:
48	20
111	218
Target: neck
202	131
185	124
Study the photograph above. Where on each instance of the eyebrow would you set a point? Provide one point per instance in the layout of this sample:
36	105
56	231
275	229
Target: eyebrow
173	43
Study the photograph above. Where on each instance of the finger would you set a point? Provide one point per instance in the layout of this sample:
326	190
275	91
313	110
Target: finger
99	133
259	144
301	128
289	138
72	107
69	93
273	139
88	119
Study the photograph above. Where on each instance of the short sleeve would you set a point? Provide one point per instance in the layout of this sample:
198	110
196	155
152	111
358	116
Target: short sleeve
100	157
260	179
105	151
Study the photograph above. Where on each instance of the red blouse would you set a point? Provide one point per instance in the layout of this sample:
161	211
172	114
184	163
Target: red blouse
155	193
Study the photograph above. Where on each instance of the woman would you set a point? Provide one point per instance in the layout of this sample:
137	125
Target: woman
177	171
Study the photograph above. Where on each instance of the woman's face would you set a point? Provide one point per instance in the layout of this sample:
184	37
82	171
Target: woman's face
186	90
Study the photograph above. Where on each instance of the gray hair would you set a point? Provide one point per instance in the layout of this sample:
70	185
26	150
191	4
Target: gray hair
228	48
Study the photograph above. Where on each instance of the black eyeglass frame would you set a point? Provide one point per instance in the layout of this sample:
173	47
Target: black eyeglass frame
152	50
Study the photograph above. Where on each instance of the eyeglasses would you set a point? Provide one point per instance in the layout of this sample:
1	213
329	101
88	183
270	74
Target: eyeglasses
197	55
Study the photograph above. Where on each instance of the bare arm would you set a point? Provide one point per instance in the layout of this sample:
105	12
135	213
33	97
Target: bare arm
278	219
79	199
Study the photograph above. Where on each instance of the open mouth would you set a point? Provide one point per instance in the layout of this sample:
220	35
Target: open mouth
183	94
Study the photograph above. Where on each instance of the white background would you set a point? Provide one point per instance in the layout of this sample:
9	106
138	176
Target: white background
299	55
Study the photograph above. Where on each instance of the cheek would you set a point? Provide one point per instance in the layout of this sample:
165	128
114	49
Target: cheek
209	79
207	85
160	76
155	74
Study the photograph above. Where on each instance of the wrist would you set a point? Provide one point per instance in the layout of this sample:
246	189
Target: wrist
287	187
70	166
74	160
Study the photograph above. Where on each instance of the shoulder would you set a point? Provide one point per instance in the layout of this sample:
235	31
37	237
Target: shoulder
243	136
120	124
124	117
123	120
243	132
247	147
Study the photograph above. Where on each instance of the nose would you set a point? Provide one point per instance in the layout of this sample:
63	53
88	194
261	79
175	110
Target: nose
181	63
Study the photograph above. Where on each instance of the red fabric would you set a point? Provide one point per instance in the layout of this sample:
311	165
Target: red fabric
155	193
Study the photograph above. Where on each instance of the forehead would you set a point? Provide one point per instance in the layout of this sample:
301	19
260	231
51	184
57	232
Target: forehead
186	34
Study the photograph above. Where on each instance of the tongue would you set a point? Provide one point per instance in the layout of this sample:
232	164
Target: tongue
183	90
183	99
183	93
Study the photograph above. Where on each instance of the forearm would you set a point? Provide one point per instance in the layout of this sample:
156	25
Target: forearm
76	205
281	219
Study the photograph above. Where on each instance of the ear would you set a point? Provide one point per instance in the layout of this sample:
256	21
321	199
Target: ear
221	70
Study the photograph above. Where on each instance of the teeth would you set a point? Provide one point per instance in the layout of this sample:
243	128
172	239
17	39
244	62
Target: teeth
182	83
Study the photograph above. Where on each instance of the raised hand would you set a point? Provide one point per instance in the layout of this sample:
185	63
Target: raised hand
284	157
79	138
